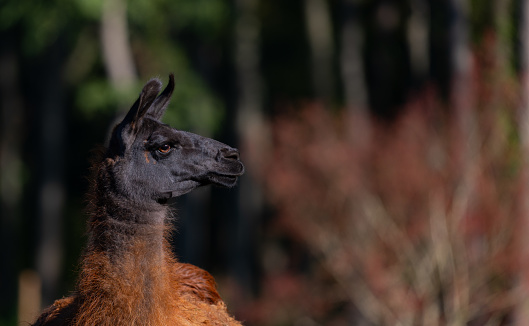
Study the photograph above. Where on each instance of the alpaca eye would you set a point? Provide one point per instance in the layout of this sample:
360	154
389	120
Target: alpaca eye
164	149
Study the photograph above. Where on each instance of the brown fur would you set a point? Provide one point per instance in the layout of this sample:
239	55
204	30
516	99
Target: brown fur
109	304
129	276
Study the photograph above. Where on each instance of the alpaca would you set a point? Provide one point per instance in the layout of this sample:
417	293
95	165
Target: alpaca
129	276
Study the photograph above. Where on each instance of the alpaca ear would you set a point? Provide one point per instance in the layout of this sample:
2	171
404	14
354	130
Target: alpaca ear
142	104
123	133
159	106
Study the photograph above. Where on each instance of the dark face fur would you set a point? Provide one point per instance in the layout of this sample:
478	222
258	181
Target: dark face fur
154	162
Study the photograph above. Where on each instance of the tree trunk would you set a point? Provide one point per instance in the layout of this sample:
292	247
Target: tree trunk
353	73
522	309
117	53
319	31
418	38
251	132
502	24
11	137
50	147
352	65
460	56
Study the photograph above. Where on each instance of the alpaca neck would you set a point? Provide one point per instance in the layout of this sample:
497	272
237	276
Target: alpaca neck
125	262
119	228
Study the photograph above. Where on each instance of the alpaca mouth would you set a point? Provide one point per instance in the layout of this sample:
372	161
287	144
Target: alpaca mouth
227	179
220	178
224	180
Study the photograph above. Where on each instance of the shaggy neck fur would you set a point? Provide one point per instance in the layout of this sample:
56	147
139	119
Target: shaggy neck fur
124	272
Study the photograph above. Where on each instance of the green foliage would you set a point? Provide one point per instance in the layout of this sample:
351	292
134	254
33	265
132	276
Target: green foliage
154	29
94	96
194	108
191	107
480	18
9	320
205	17
90	8
41	22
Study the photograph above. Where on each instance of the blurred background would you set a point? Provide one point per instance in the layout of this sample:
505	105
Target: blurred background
386	145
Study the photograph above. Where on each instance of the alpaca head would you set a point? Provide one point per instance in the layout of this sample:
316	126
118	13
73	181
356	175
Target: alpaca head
152	161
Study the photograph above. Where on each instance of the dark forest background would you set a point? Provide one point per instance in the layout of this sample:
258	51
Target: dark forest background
386	145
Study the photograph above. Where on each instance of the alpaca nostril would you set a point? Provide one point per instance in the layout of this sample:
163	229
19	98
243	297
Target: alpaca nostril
230	154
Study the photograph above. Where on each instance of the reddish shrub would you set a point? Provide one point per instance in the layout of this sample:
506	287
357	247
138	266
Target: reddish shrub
412	224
